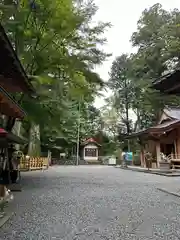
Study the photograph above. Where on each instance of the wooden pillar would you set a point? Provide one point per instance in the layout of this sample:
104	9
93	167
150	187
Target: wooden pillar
175	148
142	157
158	151
178	143
2	191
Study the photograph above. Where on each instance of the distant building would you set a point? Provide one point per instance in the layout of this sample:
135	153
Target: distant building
90	151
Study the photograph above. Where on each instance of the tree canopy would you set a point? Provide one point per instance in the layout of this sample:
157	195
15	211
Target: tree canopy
59	48
131	75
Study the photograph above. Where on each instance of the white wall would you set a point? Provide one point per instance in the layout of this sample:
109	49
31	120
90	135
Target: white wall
90	158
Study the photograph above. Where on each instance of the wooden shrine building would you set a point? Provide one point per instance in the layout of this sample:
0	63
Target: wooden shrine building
13	79
90	151
161	138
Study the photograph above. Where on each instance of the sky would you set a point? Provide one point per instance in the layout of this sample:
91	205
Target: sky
123	16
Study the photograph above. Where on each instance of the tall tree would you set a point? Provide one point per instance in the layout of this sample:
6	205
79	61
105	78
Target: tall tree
122	87
157	43
58	46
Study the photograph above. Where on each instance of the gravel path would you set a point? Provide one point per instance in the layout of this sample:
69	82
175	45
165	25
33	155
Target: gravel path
93	203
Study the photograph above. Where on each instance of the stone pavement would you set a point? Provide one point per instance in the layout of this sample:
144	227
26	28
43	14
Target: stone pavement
93	203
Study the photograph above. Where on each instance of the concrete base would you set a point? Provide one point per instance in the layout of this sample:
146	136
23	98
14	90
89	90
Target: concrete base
164	166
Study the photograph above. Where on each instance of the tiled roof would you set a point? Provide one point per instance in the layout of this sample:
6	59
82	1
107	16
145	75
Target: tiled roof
173	112
169	83
13	75
88	141
164	126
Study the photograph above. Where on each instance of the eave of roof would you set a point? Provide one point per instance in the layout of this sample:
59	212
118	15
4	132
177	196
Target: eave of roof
19	71
172	112
9	107
167	126
90	141
16	139
168	83
10	137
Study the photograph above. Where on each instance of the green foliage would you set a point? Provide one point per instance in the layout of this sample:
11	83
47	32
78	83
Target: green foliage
123	87
157	43
157	40
108	144
59	47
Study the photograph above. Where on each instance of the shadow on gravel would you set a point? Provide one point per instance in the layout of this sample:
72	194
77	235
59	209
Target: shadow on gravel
39	181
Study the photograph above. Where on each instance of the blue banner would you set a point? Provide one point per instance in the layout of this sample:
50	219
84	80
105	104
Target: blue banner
129	156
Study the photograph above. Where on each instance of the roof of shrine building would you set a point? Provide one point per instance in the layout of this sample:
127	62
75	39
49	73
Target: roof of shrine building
10	137
90	141
172	112
9	107
168	123
13	77
168	83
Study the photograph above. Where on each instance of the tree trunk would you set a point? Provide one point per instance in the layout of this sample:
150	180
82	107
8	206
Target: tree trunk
34	147
127	107
138	122
17	131
127	112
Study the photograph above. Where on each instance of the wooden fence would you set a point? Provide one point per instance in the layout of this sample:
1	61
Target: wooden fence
33	163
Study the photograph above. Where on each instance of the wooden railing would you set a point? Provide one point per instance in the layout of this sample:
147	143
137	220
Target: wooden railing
175	161
33	163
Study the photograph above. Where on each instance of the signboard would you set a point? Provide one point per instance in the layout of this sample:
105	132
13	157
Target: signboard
90	152
129	156
112	161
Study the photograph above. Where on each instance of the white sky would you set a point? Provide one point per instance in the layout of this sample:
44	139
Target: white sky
123	15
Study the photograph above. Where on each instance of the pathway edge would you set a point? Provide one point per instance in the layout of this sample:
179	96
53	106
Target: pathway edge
169	192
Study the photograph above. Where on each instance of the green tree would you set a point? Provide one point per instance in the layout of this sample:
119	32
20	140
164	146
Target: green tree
59	48
157	43
122	87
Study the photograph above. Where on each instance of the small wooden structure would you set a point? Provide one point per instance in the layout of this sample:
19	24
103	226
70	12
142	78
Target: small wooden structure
90	151
162	138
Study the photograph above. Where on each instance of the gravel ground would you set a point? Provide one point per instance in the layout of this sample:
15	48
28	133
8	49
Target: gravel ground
93	203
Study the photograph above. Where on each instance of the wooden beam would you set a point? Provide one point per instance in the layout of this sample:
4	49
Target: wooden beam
172	88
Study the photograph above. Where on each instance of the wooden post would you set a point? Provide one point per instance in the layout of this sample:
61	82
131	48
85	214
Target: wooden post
142	157
2	191
178	143
175	149
158	151
132	159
